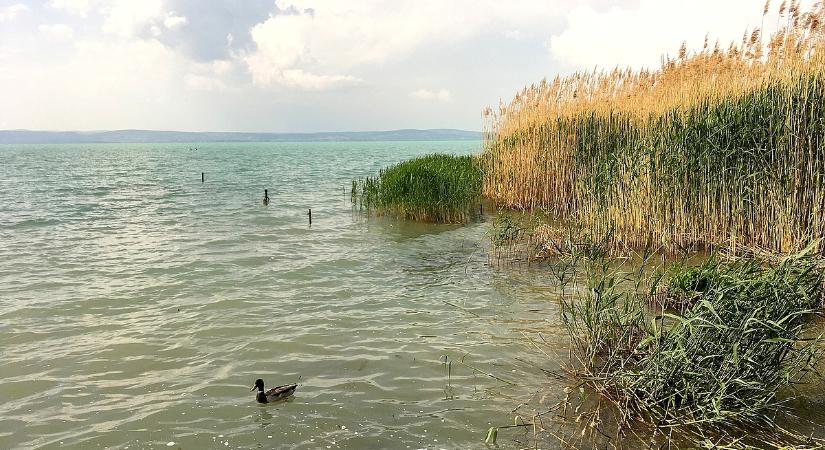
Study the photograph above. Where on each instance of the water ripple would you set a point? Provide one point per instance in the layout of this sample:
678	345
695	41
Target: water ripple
137	304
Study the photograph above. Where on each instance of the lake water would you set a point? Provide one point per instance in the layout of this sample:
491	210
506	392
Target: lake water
138	305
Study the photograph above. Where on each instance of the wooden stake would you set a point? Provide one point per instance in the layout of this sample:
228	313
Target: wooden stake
309	214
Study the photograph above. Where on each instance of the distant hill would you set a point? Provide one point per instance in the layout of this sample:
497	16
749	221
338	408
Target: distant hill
147	136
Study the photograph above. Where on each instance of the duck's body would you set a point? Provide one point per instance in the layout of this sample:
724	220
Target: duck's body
273	395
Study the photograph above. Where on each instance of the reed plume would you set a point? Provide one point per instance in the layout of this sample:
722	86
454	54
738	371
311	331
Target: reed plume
715	147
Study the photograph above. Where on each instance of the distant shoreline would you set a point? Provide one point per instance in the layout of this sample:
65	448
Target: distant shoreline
190	137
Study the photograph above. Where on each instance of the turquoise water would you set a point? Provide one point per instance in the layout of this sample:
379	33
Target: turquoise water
138	305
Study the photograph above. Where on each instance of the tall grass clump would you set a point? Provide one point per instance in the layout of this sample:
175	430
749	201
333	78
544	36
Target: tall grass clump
723	146
728	363
433	188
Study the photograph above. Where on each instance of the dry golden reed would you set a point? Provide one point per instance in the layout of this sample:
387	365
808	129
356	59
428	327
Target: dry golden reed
722	146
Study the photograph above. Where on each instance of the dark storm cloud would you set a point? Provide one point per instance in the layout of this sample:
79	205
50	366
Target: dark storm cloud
204	38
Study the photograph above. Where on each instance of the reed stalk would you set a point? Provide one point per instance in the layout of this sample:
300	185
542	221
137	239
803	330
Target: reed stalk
724	369
724	146
433	188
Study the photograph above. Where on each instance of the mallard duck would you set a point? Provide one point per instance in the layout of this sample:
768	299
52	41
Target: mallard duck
273	395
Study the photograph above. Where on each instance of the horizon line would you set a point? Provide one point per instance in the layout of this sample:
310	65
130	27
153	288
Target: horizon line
236	132
24	136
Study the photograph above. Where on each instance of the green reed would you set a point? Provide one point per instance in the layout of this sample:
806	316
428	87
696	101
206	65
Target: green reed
432	188
715	370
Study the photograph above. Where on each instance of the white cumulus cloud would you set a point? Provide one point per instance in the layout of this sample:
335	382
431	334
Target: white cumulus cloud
204	83
128	18
300	79
211	76
442	95
515	35
11	11
231	64
173	20
103	81
57	31
81	8
283	54
323	43
638	36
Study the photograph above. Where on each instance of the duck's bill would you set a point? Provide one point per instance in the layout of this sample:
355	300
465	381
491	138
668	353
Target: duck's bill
253	388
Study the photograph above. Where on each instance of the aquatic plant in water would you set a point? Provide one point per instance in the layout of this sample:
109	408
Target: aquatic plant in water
721	365
535	237
433	188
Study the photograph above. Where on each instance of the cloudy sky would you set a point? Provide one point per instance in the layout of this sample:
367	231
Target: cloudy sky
319	65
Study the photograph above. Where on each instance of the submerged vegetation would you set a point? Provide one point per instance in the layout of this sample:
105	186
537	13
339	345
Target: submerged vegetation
530	237
433	188
719	147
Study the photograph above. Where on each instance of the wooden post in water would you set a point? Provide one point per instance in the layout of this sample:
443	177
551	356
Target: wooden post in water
309	214
201	177
481	208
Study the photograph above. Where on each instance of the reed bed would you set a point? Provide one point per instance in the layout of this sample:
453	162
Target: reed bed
433	188
722	371
721	146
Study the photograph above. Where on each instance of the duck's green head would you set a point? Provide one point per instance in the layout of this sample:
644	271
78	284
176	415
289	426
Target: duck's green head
259	385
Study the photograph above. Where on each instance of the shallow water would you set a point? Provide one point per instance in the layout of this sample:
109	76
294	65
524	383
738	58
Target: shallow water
138	305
